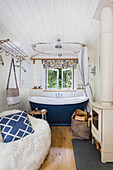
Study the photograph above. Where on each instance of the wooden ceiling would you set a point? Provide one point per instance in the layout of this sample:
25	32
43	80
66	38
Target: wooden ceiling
31	21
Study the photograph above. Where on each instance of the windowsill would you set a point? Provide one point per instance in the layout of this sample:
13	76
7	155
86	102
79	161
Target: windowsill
37	88
59	90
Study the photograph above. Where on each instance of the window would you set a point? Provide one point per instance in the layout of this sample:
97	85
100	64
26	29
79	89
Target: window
67	80
59	79
52	79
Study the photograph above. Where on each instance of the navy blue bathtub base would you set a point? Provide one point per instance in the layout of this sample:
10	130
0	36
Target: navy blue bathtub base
59	115
60	124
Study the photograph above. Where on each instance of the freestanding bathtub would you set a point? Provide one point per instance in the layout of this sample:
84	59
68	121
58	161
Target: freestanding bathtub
60	110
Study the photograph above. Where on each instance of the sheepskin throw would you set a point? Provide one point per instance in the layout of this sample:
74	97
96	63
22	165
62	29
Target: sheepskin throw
15	126
27	153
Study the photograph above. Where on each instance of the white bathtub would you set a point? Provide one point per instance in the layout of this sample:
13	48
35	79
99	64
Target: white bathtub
57	101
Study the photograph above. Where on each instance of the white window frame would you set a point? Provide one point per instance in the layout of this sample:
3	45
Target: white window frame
72	79
57	79
57	70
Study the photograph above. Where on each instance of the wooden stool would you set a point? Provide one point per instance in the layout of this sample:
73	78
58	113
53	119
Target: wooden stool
39	112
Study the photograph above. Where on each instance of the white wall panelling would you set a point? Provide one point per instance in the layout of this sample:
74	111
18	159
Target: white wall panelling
31	21
38	78
47	20
106	55
24	93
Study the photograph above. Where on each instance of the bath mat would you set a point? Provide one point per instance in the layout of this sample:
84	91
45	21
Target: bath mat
87	157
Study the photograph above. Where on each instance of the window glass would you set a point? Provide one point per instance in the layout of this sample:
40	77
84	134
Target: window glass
67	80
59	79
52	79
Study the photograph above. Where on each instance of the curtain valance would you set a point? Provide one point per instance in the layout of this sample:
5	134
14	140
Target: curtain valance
58	64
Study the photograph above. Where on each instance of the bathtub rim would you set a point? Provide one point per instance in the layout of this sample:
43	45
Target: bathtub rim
61	101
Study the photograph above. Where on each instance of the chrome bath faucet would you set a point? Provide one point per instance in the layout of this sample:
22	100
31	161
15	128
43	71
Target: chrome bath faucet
59	95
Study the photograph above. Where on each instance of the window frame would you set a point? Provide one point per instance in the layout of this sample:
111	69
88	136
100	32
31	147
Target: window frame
72	69
57	79
57	88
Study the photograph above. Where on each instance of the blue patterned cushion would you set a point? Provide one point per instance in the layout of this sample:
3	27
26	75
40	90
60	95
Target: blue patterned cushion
15	126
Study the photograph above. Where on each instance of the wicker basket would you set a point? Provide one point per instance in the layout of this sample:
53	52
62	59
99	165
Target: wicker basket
80	129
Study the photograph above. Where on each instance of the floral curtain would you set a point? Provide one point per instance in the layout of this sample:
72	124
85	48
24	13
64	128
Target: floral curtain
57	64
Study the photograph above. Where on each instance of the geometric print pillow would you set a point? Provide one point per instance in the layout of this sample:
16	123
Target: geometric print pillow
15	126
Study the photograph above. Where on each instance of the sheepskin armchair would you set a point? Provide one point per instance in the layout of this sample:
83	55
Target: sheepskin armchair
27	153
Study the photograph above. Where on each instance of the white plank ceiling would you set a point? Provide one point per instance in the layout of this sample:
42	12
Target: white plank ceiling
31	21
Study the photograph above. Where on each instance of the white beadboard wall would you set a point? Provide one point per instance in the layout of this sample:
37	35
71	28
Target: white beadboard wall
34	21
38	78
24	92
94	55
4	70
31	21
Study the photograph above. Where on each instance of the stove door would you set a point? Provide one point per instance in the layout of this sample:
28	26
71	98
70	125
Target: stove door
96	123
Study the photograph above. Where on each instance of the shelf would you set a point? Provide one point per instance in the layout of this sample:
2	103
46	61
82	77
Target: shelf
37	88
80	88
59	90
